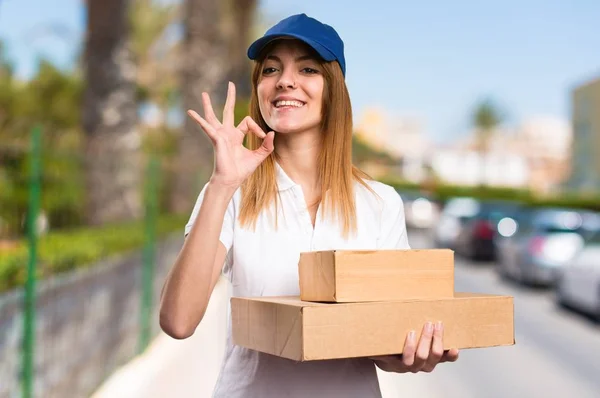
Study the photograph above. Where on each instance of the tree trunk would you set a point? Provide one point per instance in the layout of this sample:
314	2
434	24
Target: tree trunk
244	11
113	158
204	66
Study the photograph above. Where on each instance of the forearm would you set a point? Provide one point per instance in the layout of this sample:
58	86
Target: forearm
188	287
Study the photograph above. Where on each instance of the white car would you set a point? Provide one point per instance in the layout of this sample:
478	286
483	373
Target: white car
421	211
578	286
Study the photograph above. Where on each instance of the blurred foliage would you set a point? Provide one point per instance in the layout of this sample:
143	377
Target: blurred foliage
52	99
486	117
591	202
77	248
155	51
363	152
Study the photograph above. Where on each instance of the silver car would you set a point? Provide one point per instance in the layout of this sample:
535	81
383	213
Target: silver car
544	241
579	283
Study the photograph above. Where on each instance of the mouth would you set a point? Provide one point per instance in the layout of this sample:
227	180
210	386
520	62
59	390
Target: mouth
288	104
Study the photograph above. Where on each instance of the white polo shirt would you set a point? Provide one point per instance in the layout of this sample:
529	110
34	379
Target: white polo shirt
264	262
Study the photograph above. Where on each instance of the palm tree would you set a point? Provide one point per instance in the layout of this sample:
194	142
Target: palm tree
213	52
486	118
112	156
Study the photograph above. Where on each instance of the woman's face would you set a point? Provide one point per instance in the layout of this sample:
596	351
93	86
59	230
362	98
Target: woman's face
290	89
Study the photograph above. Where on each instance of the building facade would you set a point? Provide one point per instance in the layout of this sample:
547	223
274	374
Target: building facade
585	149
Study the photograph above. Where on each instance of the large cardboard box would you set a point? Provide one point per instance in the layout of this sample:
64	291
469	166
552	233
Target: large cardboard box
305	331
380	275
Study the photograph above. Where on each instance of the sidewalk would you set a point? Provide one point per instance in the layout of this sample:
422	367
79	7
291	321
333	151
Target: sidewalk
189	368
176	368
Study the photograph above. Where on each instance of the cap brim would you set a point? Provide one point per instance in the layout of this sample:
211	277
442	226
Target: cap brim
255	48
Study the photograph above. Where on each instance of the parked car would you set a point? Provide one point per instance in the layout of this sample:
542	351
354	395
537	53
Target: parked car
421	210
452	217
578	285
545	240
476	237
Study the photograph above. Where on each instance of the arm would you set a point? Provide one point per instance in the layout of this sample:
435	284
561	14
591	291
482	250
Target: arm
192	279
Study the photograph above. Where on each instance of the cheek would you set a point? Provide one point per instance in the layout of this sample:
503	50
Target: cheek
262	94
316	92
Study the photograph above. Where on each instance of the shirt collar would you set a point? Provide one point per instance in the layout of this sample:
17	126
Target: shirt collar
284	182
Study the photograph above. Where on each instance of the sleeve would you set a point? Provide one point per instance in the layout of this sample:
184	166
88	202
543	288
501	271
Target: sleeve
226	236
393	234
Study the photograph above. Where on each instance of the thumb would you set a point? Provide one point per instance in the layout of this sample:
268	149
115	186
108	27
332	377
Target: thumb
267	146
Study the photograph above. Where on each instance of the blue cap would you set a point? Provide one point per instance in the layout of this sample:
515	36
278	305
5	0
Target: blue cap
322	38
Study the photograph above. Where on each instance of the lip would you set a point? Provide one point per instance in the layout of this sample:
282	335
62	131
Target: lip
287	98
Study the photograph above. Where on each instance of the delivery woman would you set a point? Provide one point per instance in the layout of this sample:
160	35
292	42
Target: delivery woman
293	188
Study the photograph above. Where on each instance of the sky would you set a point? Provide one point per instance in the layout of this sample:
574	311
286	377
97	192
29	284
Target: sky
429	59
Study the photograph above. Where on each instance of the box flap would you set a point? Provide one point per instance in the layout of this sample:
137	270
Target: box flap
267	326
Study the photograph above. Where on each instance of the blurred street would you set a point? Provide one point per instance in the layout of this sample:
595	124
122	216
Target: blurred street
556	354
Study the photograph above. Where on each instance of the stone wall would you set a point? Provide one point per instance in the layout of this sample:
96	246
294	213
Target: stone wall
87	325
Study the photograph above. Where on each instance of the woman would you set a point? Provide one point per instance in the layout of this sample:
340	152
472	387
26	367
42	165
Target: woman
290	190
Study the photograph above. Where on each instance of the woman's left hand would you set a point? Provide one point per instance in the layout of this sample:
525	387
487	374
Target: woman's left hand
421	357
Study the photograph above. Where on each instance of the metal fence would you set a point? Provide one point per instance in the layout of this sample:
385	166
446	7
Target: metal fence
63	336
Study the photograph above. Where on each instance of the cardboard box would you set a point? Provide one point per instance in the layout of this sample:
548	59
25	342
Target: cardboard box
305	331
380	275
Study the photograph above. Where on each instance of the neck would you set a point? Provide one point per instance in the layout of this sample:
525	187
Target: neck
298	155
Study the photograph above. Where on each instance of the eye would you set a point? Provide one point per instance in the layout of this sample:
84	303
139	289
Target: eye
310	70
268	70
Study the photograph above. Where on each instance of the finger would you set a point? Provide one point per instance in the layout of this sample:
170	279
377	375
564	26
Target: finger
410	347
228	111
424	347
450	355
248	124
243	126
255	128
209	113
437	348
208	129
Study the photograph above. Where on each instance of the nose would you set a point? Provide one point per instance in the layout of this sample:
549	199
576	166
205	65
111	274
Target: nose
287	79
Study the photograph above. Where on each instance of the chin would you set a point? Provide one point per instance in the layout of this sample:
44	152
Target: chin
287	129
290	128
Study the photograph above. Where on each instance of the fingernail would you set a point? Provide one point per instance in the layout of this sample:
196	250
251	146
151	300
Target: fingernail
429	327
411	335
439	326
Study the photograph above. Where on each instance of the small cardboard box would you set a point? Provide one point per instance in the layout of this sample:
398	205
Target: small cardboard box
380	275
305	331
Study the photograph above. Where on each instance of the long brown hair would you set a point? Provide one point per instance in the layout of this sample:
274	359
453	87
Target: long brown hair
337	174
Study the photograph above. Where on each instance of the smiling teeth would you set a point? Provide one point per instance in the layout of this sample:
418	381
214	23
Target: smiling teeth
297	104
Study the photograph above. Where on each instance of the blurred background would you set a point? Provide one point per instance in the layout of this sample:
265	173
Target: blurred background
485	116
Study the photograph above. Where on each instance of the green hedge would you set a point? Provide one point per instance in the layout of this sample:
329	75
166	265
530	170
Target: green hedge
573	201
67	250
442	193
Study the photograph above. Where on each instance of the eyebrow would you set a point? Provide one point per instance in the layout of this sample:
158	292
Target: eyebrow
298	59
